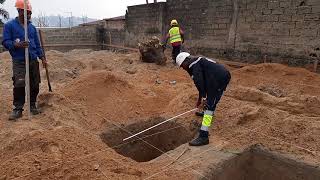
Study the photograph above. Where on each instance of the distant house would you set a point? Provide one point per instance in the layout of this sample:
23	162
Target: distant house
109	23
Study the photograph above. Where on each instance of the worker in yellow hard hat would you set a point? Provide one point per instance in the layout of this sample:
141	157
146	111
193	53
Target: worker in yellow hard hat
176	38
14	41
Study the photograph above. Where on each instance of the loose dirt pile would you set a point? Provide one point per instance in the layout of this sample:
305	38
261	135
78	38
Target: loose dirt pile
98	94
152	52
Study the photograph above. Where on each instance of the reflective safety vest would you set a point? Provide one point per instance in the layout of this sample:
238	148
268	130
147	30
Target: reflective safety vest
175	35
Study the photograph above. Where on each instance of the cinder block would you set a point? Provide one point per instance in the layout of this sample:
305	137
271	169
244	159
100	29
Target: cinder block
278	11
285	4
273	4
311	17
304	10
285	18
298	17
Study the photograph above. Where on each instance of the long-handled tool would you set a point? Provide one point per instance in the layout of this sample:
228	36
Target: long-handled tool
160	124
27	77
46	67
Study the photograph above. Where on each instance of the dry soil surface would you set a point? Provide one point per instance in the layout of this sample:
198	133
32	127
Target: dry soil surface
95	91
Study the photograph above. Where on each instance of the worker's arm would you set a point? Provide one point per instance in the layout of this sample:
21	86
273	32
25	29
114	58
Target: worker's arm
8	42
198	78
182	35
38	46
165	39
40	52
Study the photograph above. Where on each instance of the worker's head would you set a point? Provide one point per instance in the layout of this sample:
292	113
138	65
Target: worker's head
174	22
20	7
181	58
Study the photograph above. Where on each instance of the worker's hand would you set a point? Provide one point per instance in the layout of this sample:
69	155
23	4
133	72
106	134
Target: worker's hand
21	44
201	103
44	61
198	103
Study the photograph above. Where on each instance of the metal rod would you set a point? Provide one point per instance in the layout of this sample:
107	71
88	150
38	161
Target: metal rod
27	76
160	124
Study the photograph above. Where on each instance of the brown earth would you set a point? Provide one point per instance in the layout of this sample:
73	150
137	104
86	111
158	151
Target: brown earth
95	92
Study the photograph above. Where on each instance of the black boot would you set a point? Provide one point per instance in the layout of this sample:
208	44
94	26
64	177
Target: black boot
15	114
34	110
200	113
201	140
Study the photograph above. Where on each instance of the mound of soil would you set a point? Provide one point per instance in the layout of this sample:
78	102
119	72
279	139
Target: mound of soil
99	95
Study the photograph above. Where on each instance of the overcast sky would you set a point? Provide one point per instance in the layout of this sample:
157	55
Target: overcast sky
98	9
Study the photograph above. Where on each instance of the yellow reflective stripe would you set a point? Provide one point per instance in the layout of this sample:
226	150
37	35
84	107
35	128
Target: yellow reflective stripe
175	37
207	120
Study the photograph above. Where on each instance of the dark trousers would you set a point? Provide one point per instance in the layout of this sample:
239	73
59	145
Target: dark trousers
175	51
18	78
214	95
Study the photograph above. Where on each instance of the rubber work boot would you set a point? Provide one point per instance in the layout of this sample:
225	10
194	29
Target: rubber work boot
15	114
200	113
201	140
34	110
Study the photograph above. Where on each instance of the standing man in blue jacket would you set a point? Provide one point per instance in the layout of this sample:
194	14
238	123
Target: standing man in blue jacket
13	40
211	80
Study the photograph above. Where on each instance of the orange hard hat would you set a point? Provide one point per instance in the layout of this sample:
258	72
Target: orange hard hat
20	5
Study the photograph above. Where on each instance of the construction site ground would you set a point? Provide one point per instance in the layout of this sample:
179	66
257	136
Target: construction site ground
101	97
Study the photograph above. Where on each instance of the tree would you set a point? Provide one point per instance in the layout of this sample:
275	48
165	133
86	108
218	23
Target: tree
42	20
3	12
60	20
84	19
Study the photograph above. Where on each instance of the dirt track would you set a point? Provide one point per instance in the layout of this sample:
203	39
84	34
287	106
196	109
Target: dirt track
97	92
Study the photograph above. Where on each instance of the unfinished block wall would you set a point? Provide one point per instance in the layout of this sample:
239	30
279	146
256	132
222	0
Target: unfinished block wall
207	23
143	22
282	29
75	35
244	30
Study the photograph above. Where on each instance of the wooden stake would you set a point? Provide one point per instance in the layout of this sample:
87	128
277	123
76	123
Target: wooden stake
110	40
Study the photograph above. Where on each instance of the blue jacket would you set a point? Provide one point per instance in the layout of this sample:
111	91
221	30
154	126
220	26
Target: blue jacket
208	76
14	31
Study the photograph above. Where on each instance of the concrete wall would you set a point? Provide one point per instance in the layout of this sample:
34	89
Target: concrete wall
75	35
282	29
115	37
207	23
115	24
243	30
143	22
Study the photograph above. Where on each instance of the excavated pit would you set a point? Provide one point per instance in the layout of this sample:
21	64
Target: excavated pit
155	142
260	164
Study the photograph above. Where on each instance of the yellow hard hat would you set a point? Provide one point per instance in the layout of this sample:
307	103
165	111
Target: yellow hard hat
174	22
